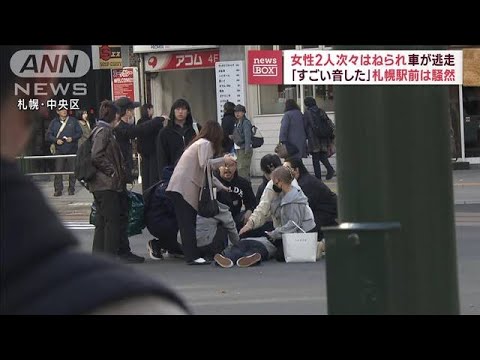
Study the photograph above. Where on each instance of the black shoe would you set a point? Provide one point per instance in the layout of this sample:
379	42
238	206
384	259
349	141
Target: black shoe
71	192
131	258
155	255
330	175
57	193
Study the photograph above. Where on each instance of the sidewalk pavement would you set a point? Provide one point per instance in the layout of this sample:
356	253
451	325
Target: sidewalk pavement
76	208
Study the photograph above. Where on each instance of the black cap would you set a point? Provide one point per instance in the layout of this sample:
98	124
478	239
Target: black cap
240	108
126	103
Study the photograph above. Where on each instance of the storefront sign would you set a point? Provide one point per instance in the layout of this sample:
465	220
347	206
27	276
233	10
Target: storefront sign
230	81
471	67
125	83
373	67
182	60
162	48
265	67
107	57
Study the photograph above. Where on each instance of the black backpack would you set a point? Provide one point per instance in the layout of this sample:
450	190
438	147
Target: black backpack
84	169
322	125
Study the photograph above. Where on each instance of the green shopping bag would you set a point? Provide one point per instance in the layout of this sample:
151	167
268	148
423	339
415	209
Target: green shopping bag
136	220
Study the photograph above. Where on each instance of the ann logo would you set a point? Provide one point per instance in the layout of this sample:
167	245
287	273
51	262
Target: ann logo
50	63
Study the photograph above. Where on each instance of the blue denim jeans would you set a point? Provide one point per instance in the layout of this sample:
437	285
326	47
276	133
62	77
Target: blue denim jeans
245	248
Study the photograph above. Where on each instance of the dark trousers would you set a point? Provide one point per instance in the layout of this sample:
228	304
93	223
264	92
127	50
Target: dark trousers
108	226
322	157
186	219
167	240
64	164
245	248
149	171
219	243
124	245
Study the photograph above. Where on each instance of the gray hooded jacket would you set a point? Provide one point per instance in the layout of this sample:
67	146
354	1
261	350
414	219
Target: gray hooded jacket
289	208
207	227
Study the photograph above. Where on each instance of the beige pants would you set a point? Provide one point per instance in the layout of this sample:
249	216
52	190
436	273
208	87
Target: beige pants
243	163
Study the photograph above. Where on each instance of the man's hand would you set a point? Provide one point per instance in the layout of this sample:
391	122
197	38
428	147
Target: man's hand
59	142
69	139
229	160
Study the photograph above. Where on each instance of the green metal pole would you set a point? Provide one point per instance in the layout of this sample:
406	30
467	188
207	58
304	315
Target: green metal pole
393	165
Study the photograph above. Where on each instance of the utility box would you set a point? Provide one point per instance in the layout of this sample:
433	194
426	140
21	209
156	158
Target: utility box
360	268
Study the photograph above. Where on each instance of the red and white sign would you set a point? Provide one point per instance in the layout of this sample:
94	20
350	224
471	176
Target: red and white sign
182	60
125	83
265	67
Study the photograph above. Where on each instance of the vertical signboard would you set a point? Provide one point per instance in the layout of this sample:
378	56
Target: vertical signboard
125	82
230	81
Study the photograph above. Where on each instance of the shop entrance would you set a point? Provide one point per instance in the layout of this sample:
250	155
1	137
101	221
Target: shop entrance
197	86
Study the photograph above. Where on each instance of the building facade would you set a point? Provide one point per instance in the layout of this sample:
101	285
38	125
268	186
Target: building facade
169	72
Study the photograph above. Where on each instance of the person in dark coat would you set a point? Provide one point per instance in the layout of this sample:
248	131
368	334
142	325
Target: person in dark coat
66	142
321	199
175	137
126	130
318	146
228	125
146	147
160	219
292	130
43	270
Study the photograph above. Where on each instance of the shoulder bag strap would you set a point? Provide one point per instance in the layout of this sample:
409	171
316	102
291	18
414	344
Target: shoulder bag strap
62	127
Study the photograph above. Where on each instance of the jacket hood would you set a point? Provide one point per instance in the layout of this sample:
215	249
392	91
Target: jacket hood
294	196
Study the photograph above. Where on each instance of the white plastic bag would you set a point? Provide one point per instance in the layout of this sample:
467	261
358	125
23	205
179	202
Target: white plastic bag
300	247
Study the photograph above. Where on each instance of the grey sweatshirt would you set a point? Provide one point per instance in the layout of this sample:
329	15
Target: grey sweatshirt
207	227
289	208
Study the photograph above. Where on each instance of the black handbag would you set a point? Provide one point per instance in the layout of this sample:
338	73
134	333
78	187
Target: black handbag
257	140
207	204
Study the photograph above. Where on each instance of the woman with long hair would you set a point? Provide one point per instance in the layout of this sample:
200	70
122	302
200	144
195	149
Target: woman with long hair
187	180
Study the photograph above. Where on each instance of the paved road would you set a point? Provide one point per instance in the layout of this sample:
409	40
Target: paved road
279	288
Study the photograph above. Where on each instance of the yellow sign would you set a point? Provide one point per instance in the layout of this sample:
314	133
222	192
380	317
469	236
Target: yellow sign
471	67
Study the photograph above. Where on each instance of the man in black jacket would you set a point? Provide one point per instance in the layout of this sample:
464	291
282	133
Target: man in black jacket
175	137
146	146
240	194
125	131
43	272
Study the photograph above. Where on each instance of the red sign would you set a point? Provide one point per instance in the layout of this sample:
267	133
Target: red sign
265	67
182	60
123	83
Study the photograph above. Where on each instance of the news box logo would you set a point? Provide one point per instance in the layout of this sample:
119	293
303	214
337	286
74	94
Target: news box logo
265	67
